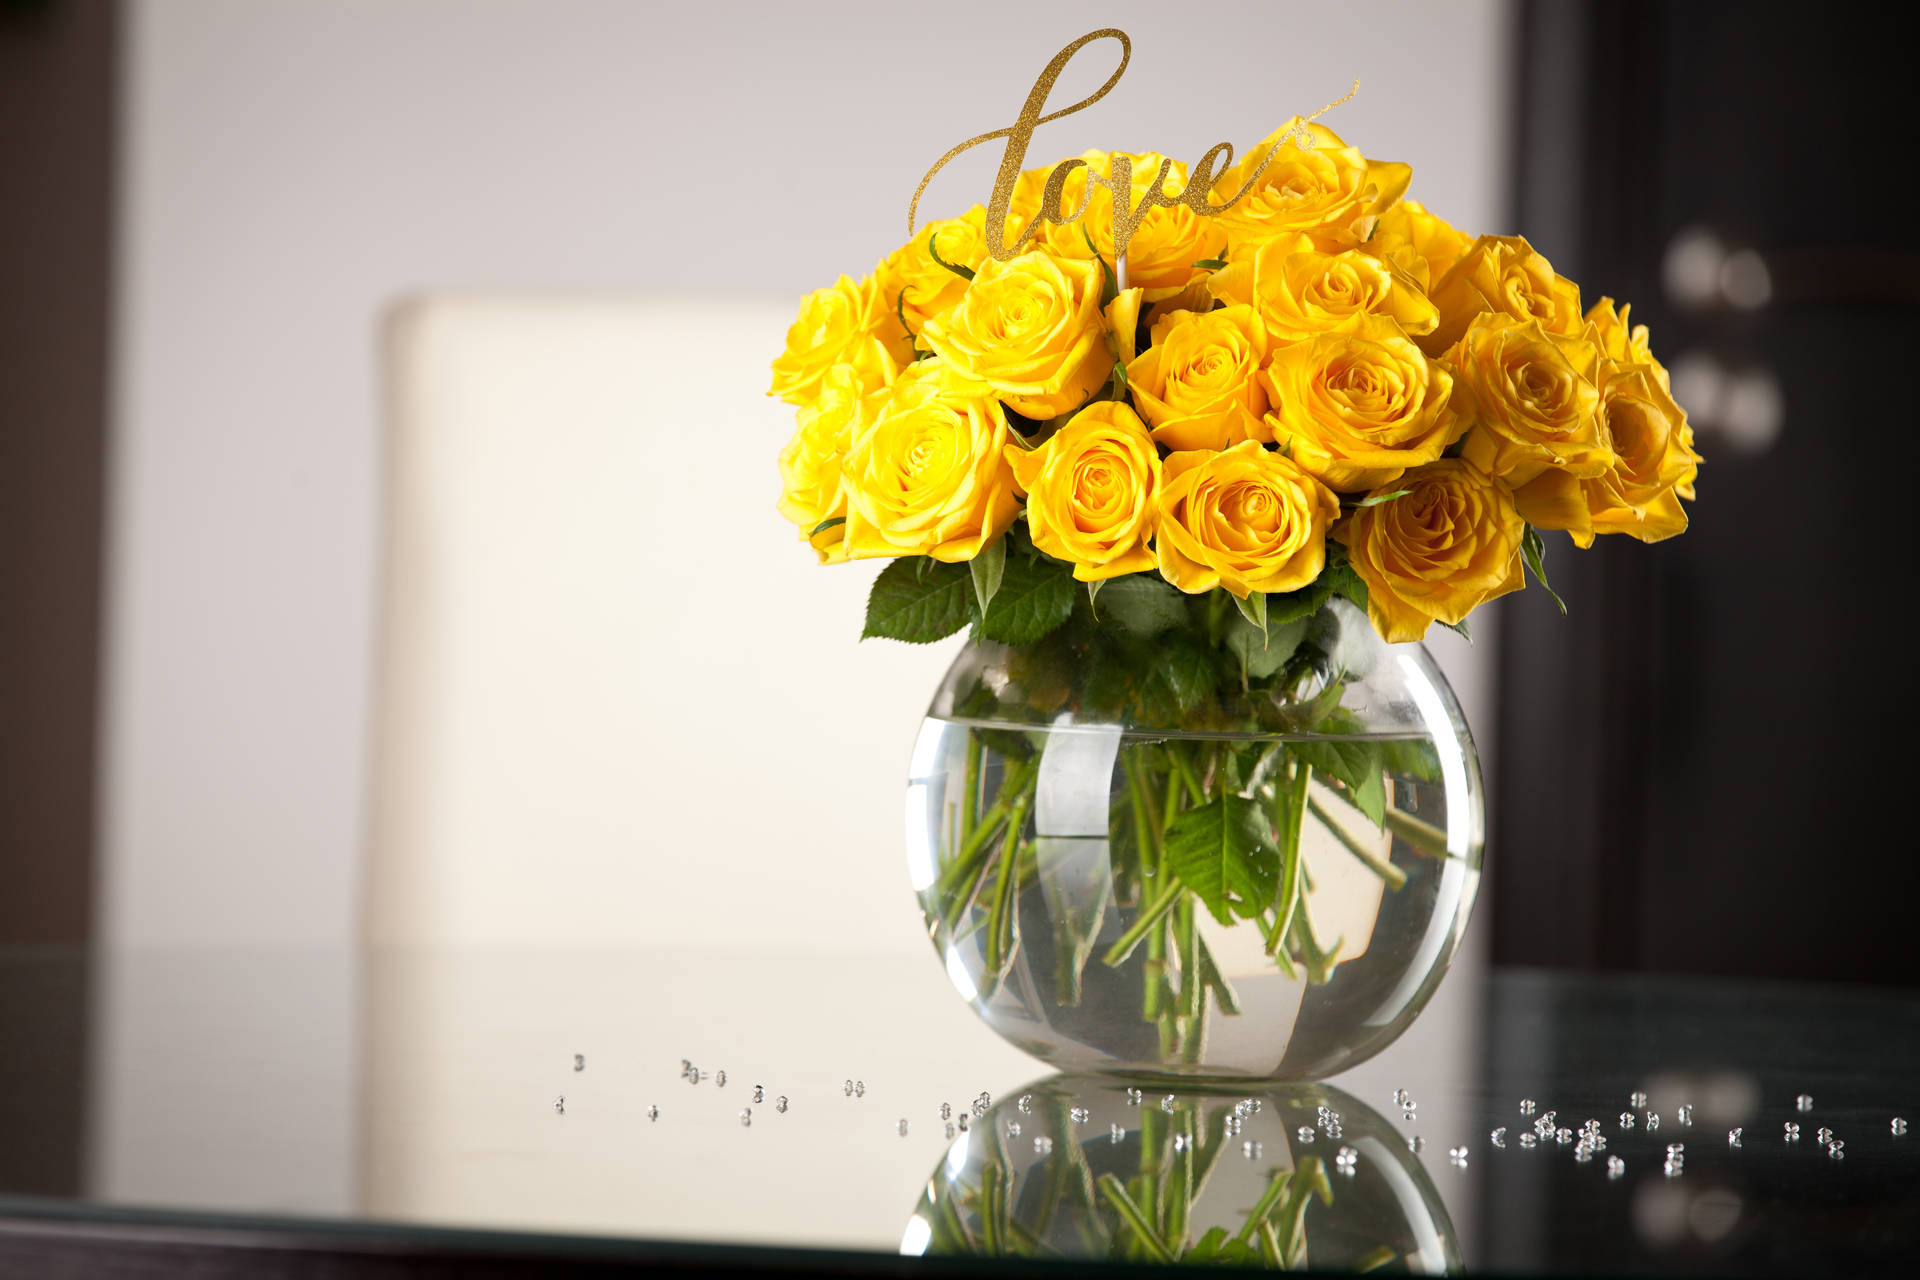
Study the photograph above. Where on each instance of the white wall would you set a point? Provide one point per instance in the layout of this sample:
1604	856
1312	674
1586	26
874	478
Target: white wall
289	169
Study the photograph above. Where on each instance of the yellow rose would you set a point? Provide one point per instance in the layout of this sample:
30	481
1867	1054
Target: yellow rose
1165	244
845	323
1502	276
810	466
1640	494
1328	188
1447	547
1301	290
1356	409
1245	519
1632	344
1090	491
1198	382
1534	402
926	472
1422	245
911	282
1031	329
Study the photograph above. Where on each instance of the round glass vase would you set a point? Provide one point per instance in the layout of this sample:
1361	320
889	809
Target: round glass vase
1162	843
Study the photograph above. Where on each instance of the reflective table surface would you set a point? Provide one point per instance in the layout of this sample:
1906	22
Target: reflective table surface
843	1111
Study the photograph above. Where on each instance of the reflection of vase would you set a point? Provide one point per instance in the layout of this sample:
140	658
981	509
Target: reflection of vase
1193	851
1078	1167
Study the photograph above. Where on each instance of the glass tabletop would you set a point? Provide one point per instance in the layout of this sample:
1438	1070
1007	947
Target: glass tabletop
820	1100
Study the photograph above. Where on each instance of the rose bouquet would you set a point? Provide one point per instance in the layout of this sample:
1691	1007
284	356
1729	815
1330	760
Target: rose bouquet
1170	481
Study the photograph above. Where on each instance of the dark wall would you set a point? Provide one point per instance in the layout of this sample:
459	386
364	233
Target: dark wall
56	162
1702	769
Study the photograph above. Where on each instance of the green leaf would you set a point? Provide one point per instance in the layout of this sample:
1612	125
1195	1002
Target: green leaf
1093	591
1262	654
1370	797
1304	603
1035	596
1188	673
988	567
1253	607
1144	604
825	525
933	251
1352	761
1210	264
1109	287
1533	550
1347	584
1379	498
919	604
1458	628
1224	852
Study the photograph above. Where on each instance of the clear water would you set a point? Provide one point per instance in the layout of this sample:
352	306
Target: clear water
1382	907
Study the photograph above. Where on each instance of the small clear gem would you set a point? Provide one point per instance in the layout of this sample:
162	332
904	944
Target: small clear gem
1182	1141
1685	1114
1804	1102
560	1105
686	1067
903	1126
1043	1145
1637	1099
984	1101
963	1122
1013	1128
780	1104
759	1093
1733	1137
1675	1148
1838	1150
1133	1096
653	1113
1304	1133
1626	1119
579	1062
1653	1121
1563	1136
1116	1133
859	1086
1416	1144
1498	1137
1456	1153
1250	1149
1079	1115
719	1079
847	1089
1899	1126
1026	1103
746	1116
1527	1140
1345	1159
1673	1168
1526	1106
1166	1103
950	1131
1793	1132
1615	1166
946	1111
1583	1153
1823	1134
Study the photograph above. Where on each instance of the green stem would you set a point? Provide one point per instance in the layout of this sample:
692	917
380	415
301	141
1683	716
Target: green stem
1182	767
1130	1214
1143	924
1423	836
1287	904
1394	876
970	789
1276	1187
1002	931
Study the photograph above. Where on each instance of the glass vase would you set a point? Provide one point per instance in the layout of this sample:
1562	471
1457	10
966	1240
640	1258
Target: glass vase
1166	843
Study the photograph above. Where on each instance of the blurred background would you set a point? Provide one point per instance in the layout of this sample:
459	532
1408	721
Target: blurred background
239	241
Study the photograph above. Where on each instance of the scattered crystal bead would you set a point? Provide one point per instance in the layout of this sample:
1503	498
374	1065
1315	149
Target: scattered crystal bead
1563	1136
946	1111
1498	1137
1675	1148
1456	1153
719	1079
1013	1128
1026	1102
1182	1141
1838	1150
950	1131
1304	1133
859	1088
1685	1114
1583	1153
1673	1168
1899	1126
653	1113
1116	1132
1079	1115
1804	1102
1416	1144
847	1089
759	1093
1653	1121
1626	1119
1527	1140
1637	1099
903	1126
1733	1137
746	1116
1133	1096
1166	1103
686	1066
1043	1145
780	1104
1615	1166
560	1105
1823	1134
1793	1132
1526	1106
579	1062
963	1122
1345	1159
984	1101
1590	1126
1251	1149
1257	1104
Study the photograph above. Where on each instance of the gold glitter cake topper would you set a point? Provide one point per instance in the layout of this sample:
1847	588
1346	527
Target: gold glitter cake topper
1119	179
